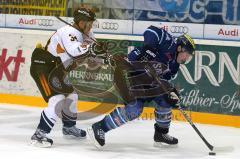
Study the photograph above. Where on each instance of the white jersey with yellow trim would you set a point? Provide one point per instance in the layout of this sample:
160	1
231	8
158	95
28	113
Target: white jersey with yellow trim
68	42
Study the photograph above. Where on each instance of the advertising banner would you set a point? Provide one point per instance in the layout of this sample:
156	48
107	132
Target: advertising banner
128	27
208	82
184	11
2	20
175	29
52	23
40	7
222	32
113	26
33	22
15	60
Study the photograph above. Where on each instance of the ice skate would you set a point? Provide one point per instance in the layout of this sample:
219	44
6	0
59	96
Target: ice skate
73	133
39	139
161	138
97	135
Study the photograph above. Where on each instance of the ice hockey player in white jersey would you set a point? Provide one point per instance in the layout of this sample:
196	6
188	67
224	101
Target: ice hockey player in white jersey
66	44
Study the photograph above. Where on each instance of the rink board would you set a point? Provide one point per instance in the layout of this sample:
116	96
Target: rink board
148	112
200	80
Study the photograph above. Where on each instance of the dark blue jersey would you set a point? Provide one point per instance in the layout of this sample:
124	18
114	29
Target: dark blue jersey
158	46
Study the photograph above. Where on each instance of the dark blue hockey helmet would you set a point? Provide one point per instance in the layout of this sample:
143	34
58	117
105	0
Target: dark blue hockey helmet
187	43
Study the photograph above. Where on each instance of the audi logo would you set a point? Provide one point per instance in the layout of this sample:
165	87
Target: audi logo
45	22
110	26
179	29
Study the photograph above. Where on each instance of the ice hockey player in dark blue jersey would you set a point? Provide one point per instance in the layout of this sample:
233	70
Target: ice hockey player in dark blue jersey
158	46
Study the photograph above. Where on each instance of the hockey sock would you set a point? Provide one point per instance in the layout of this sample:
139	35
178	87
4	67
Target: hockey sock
48	115
113	120
45	124
69	112
163	117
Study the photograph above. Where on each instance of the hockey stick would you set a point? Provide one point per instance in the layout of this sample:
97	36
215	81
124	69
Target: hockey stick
195	128
153	73
94	40
211	147
77	29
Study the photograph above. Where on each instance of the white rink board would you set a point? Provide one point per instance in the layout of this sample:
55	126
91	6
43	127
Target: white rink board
132	141
33	22
2	20
127	27
113	26
13	42
52	23
175	29
221	32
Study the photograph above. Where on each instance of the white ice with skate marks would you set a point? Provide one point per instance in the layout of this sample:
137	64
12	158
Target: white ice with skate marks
132	141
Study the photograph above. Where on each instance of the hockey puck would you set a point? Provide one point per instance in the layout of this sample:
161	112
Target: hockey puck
212	153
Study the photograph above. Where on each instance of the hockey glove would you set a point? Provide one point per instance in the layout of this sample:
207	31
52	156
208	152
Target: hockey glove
171	72
99	48
173	97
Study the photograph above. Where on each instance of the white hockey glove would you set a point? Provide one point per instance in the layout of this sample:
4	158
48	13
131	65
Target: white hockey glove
83	49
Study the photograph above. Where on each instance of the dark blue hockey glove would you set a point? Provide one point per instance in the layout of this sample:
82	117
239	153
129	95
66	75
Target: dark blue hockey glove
173	97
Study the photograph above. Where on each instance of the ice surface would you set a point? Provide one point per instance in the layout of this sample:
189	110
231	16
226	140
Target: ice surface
132	141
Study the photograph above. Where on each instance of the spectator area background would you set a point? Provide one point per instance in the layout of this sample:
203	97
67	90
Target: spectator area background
187	11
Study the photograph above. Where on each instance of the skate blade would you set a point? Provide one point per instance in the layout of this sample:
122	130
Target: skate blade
164	145
92	137
72	137
35	143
